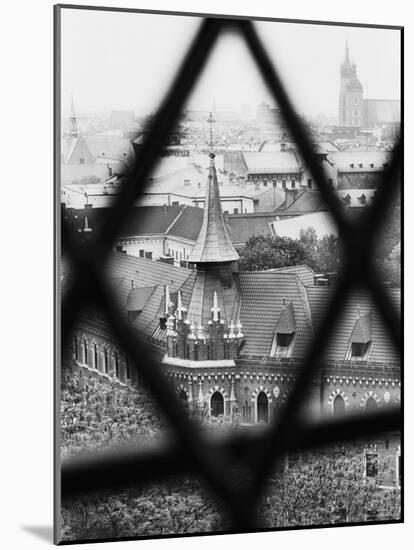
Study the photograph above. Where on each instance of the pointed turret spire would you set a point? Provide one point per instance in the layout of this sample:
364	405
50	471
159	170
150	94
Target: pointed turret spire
73	124
213	244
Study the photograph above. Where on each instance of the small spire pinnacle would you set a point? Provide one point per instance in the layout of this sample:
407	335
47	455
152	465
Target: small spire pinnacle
180	308
239	327
232	327
215	309
358	311
168	302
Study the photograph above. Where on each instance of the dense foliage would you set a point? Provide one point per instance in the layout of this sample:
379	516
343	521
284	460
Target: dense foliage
97	416
321	254
319	489
325	489
324	254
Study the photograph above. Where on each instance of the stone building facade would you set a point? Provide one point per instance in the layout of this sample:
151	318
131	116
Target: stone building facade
232	342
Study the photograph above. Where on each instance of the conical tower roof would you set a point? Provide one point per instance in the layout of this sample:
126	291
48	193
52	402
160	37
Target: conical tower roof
213	244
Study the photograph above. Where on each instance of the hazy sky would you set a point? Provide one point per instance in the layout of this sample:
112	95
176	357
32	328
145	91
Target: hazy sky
126	61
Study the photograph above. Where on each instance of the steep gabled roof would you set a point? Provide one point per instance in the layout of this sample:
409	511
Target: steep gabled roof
188	224
138	297
304	272
272	162
306	201
286	322
241	227
362	332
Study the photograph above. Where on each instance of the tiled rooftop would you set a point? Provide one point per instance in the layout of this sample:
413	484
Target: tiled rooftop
381	349
262	301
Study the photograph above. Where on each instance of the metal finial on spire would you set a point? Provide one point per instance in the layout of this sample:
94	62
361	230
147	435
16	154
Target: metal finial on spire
358	311
211	121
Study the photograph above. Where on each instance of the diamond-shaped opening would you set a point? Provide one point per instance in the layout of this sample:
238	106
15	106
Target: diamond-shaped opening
216	396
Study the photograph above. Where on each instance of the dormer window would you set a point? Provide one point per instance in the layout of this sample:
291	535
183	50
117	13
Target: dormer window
283	340
360	341
358	349
284	334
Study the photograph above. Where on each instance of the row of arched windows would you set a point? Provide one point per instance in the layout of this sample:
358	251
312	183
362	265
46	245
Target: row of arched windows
101	358
216	406
339	405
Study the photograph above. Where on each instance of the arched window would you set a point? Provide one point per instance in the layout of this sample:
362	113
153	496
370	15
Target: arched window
127	369
371	405
217	404
116	359
85	352
95	356
338	406
75	343
106	361
262	408
183	398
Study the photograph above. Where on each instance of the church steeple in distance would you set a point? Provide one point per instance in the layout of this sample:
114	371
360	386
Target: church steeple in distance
350	94
73	123
213	244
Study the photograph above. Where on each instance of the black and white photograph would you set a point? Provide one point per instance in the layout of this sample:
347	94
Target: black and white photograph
228	202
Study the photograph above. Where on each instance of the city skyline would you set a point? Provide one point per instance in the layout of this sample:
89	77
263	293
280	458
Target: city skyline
105	65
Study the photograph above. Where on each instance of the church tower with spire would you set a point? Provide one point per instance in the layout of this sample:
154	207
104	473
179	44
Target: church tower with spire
350	94
209	333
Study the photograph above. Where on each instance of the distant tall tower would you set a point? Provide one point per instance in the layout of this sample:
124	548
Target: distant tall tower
73	132
350	94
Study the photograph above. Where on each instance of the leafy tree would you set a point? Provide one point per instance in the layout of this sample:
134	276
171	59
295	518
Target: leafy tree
176	506
322	488
97	416
321	254
268	252
325	488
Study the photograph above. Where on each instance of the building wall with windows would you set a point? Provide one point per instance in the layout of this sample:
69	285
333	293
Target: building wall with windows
98	357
